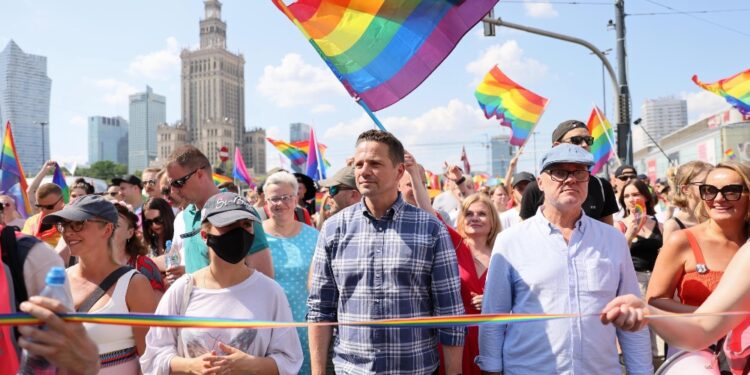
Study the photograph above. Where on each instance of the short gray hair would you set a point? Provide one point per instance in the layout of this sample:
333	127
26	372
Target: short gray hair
282	177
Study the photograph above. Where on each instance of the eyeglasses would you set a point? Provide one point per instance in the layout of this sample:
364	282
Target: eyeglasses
113	193
149	182
561	175
280	199
333	190
157	220
75	226
48	206
180	182
626	177
578	139
730	192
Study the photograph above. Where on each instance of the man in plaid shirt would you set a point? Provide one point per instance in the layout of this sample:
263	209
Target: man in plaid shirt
383	259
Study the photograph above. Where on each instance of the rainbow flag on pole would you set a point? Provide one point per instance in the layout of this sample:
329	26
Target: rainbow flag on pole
315	167
735	90
381	50
295	155
304	147
515	107
240	170
12	178
604	136
59	179
220	179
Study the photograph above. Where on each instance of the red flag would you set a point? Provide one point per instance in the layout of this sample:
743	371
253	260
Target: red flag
467	167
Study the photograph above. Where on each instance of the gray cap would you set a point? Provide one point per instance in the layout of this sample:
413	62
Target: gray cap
85	208
521	177
344	177
226	208
566	153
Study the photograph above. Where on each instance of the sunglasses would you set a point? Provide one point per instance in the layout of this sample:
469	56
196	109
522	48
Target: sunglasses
157	220
333	190
577	140
626	177
280	199
48	206
729	192
6	205
180	182
74	226
560	175
149	182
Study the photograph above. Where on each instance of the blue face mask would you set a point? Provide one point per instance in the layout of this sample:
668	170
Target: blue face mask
231	246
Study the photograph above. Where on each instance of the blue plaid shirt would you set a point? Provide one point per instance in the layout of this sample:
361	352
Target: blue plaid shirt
400	266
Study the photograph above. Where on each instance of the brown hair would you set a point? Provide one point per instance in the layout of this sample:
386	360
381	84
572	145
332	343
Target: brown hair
644	190
395	148
494	218
189	157
46	189
167	218
133	246
683	176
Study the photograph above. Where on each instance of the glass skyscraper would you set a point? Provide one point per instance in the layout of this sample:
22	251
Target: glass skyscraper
24	101
147	111
108	139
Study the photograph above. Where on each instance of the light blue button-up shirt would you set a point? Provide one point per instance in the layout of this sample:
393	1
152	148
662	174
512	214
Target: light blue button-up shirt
534	271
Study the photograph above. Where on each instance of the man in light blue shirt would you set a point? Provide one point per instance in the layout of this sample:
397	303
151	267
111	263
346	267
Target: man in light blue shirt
560	261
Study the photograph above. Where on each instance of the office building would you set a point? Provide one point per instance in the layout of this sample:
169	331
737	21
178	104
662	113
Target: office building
108	139
147	111
659	117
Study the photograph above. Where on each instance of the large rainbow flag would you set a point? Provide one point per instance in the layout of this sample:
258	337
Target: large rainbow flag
381	50
294	154
604	136
735	90
12	179
515	107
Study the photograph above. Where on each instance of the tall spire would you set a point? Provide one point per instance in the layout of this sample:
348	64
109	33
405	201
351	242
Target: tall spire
213	29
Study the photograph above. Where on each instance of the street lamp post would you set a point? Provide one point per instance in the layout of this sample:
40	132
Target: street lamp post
43	124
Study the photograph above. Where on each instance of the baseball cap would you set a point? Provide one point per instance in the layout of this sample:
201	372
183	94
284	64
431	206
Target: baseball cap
521	177
130	179
625	169
226	208
85	208
344	176
564	128
566	153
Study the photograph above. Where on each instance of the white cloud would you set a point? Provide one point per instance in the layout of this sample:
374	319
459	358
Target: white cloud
295	83
540	9
160	65
702	104
116	92
323	108
78	120
511	60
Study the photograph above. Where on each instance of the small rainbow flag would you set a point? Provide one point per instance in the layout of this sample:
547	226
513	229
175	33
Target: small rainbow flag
12	179
381	50
515	107
240	170
601	130
319	200
220	179
480	179
735	90
297	156
59	179
729	154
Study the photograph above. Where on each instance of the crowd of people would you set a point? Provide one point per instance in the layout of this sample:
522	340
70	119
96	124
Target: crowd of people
380	245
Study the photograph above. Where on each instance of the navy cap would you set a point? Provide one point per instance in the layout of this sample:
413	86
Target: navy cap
226	208
84	208
131	179
566	153
521	177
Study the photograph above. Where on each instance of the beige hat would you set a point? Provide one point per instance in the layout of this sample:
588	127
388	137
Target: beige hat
345	177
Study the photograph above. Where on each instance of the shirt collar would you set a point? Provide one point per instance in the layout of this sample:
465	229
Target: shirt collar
580	224
390	213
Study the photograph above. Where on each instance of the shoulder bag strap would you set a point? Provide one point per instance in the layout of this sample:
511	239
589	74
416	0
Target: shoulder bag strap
107	283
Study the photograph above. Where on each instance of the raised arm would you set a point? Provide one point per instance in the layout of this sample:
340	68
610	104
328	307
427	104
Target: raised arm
31	191
509	173
416	174
454	173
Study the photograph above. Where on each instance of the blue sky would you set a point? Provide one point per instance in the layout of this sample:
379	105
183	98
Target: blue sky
99	52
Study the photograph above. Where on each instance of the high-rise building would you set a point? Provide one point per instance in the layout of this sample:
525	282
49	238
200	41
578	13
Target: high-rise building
147	111
299	132
660	117
108	139
254	151
502	151
24	101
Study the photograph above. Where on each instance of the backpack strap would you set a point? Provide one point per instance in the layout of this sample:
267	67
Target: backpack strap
14	252
97	294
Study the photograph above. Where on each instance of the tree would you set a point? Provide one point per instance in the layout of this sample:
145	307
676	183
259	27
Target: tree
105	170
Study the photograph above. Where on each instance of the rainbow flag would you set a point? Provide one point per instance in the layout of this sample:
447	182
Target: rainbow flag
315	167
604	137
735	90
12	178
729	154
319	200
381	50
59	179
297	156
480	179
220	179
240	170
304	146
515	107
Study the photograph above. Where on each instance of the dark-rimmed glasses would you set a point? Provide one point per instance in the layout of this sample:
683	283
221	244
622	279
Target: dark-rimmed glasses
729	192
75	226
560	175
48	206
333	190
578	139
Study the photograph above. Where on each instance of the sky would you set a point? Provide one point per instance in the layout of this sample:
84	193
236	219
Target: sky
99	52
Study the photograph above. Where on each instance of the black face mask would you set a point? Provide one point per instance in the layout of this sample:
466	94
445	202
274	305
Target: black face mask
231	246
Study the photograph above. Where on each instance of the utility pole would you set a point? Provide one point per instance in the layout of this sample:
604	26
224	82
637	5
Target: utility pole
623	119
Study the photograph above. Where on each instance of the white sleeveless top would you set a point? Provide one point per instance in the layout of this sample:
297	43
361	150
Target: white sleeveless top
110	338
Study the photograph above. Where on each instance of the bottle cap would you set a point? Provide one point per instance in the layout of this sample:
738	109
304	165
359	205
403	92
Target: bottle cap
55	276
168	245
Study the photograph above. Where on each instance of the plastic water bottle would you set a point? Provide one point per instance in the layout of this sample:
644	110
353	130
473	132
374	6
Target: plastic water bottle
172	258
36	365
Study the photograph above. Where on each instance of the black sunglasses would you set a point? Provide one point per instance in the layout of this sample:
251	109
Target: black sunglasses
157	220
626	177
333	190
180	182
48	206
729	192
578	139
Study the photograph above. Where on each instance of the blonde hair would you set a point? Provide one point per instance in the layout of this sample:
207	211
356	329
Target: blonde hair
743	171
683	176
495	226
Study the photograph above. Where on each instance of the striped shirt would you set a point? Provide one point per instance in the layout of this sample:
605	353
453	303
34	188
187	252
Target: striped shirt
399	266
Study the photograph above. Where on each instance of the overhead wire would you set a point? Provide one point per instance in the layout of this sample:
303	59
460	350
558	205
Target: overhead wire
699	18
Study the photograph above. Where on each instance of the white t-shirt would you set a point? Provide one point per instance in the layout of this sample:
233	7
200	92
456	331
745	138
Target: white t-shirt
509	218
256	298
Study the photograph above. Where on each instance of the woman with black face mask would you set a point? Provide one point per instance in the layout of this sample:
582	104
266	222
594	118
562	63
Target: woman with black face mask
227	288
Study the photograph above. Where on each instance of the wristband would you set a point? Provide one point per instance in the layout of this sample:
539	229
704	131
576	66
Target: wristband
461	180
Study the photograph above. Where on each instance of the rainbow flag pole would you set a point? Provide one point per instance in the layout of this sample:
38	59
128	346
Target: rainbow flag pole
606	134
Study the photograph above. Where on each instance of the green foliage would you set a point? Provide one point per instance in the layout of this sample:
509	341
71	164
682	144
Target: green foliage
105	170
